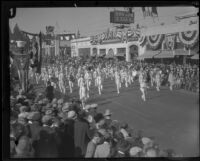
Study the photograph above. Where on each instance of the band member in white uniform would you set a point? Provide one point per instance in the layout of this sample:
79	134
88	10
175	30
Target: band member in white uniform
171	80
95	77
134	74
82	90
87	79
117	80
143	85
158	80
99	82
61	81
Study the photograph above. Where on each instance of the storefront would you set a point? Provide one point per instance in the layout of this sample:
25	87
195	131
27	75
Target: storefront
81	47
122	44
175	42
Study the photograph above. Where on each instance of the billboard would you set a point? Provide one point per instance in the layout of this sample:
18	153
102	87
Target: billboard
121	17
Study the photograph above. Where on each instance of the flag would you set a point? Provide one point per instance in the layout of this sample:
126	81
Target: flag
154	12
143	11
146	11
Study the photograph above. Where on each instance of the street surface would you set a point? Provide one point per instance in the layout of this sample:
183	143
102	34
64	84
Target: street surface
172	117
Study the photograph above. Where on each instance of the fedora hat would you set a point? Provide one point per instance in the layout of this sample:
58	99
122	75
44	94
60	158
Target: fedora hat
34	116
107	113
124	146
134	151
71	115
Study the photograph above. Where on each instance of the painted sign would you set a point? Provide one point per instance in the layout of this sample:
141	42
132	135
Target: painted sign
121	17
117	35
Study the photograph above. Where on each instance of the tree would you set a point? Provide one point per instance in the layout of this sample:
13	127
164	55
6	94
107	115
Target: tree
17	34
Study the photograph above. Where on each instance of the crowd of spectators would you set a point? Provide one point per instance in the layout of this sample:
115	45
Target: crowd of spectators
42	127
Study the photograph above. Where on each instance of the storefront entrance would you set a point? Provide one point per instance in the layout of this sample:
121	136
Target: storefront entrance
133	52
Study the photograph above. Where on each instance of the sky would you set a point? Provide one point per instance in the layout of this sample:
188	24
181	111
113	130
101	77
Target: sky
88	20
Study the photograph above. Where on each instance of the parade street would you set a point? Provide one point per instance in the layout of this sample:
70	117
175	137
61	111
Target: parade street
169	116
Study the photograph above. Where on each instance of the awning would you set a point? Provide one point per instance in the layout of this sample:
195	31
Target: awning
195	57
183	52
120	54
165	54
148	55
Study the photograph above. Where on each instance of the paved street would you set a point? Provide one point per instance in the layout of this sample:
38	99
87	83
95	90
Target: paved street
171	117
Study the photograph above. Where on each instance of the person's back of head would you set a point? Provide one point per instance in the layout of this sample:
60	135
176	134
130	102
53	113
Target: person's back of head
151	152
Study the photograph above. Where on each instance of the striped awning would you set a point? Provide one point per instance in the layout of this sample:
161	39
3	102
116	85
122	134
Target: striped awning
181	52
195	57
165	54
148	55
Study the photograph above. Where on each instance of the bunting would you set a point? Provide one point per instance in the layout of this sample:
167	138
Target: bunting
154	41
189	38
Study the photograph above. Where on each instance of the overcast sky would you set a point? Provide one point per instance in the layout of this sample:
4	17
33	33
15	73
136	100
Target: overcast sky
89	21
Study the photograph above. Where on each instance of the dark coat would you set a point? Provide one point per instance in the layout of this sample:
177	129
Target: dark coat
47	145
66	148
50	92
82	136
35	128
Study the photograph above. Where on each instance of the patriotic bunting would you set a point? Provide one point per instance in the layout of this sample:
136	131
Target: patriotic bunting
155	40
189	38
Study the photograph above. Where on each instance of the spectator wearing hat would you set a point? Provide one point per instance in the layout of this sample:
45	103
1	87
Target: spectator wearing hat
82	134
92	109
23	120
151	152
123	148
47	145
35	126
135	152
67	146
49	91
107	116
24	148
103	150
91	147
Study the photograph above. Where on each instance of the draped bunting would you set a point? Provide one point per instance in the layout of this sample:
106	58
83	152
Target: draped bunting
142	40
155	40
189	38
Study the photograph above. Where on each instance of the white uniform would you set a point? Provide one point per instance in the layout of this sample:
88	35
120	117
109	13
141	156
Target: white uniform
158	80
99	83
95	77
61	82
143	85
117	81
171	80
82	90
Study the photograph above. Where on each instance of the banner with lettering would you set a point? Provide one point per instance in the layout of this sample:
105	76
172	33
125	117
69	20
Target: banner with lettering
119	34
